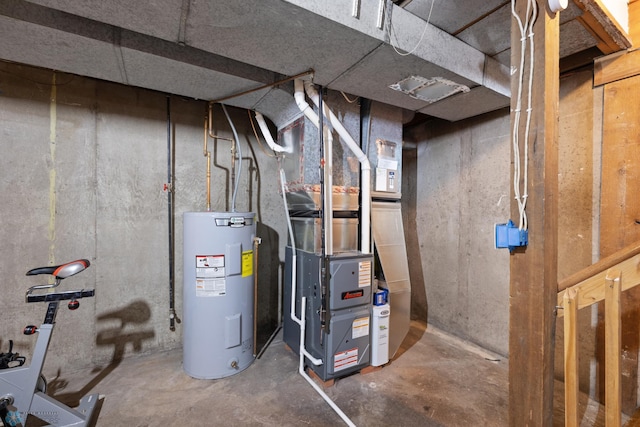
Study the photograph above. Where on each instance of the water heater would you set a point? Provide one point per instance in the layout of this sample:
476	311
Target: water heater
218	293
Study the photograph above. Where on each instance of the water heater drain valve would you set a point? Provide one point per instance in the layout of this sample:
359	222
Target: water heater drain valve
509	236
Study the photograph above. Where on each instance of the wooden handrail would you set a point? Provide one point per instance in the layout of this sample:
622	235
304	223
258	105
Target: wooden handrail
610	288
601	266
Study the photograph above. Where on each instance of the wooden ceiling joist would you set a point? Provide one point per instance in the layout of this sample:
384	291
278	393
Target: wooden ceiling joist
600	22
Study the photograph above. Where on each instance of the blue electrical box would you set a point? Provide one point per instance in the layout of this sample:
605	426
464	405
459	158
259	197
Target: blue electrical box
509	236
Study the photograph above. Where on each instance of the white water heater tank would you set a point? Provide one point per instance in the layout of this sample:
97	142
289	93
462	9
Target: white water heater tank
218	294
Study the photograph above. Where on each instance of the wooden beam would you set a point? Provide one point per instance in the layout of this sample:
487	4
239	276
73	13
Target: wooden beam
533	270
603	26
571	374
613	345
614	67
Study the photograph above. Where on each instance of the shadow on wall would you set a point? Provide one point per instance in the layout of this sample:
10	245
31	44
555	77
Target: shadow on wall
137	313
419	306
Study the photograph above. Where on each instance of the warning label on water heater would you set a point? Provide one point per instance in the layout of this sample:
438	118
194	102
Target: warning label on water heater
247	263
210	276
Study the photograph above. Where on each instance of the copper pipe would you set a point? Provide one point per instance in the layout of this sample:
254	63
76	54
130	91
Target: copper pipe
207	154
278	83
211	135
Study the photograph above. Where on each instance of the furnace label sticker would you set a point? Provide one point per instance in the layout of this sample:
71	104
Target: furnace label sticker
364	274
345	359
381	179
210	276
247	263
360	328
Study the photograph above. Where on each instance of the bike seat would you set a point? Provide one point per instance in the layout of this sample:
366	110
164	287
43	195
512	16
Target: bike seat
62	271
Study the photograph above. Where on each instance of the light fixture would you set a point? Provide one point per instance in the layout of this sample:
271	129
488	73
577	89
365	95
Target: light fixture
429	90
558	5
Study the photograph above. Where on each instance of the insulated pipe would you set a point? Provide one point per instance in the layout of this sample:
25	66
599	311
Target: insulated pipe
365	167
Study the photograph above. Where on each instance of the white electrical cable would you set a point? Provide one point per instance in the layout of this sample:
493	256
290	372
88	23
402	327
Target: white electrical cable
238	174
526	26
525	196
390	31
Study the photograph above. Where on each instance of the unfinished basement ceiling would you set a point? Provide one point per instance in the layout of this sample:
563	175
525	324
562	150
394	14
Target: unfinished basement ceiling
213	49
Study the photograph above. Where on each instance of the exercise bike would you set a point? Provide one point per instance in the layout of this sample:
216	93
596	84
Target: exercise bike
23	389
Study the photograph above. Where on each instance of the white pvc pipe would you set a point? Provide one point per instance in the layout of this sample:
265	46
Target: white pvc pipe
328	167
294	274
310	114
308	378
365	167
328	191
306	109
269	138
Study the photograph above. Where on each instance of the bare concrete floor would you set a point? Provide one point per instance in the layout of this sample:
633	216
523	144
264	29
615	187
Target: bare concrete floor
434	380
